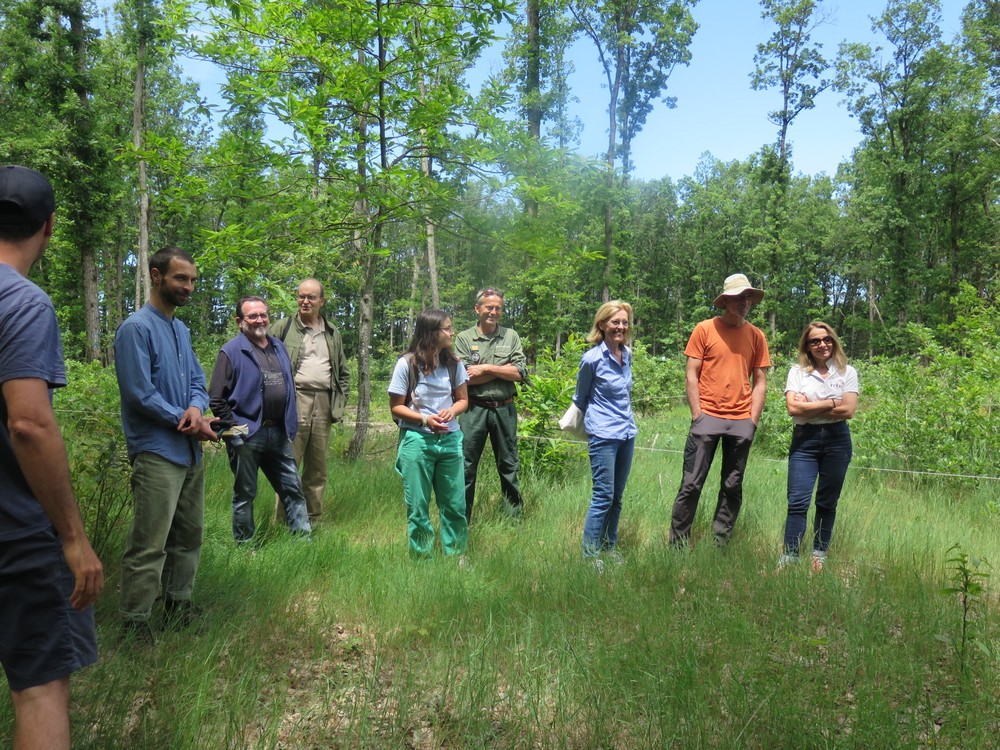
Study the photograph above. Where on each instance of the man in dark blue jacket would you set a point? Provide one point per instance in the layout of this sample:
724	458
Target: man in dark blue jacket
253	387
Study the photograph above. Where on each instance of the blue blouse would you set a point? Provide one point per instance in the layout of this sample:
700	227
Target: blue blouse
604	394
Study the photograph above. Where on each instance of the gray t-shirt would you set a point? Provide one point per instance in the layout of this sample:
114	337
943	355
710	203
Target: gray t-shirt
275	390
30	347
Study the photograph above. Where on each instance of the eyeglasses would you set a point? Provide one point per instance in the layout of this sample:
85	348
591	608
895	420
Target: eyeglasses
618	323
828	340
255	316
309	297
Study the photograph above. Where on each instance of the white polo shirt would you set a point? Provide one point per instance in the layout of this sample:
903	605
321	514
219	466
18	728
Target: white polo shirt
815	388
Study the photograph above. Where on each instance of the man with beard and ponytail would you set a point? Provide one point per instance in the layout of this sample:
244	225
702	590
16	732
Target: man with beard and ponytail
163	400
253	389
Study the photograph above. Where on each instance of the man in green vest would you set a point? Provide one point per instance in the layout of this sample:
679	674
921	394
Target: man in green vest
322	381
494	361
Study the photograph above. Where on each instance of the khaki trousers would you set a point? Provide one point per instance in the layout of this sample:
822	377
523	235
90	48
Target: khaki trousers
310	448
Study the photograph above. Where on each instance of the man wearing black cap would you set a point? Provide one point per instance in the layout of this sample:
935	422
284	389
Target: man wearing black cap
726	384
49	573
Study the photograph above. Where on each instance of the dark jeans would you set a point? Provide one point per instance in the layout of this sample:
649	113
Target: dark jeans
818	452
270	450
610	464
736	436
501	426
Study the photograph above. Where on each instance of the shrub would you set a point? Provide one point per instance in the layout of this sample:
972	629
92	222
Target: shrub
931	411
544	449
658	382
89	417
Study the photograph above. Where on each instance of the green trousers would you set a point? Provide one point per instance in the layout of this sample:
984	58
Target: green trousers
164	545
433	462
500	425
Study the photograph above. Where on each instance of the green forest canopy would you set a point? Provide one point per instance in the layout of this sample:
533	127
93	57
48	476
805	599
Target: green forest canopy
400	189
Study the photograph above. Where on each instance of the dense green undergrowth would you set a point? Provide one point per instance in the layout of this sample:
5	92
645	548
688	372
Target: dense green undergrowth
347	643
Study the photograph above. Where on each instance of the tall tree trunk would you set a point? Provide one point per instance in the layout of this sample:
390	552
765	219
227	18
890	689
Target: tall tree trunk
533	89
429	226
142	282
366	317
85	217
365	303
871	318
609	215
411	313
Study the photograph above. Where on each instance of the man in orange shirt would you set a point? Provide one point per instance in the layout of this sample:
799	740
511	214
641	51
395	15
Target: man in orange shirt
726	385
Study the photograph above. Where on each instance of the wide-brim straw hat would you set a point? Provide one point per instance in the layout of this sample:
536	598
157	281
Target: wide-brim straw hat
735	285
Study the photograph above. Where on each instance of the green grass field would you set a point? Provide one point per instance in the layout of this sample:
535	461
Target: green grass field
348	643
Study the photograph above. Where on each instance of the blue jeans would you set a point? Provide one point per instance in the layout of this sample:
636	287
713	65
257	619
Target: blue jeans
610	464
269	450
818	452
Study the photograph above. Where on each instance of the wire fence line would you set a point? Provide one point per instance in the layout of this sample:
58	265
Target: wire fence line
386	426
785	460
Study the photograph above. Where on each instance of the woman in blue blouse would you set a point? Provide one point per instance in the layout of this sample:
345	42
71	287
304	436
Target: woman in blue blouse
604	395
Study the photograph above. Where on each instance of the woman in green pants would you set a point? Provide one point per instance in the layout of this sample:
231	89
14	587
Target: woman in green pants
427	392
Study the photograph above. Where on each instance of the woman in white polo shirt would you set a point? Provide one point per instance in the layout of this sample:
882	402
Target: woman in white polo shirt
821	395
427	392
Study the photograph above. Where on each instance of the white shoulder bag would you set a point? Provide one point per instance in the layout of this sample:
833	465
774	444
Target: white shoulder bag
572	422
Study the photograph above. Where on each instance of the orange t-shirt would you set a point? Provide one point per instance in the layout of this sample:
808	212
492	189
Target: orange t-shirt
728	356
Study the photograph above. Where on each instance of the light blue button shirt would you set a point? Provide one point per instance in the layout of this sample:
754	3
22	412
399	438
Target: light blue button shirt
159	377
604	394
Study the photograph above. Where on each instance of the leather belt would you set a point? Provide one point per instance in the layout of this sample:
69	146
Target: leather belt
269	423
490	404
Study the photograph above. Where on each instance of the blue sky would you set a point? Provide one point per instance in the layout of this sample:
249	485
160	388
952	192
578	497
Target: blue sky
717	111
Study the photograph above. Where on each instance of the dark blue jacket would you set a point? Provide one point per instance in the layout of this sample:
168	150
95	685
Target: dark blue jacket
241	396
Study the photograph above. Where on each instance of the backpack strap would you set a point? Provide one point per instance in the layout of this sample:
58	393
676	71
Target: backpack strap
452	374
414	374
411	376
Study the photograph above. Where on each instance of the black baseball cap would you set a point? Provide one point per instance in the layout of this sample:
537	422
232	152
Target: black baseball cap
26	197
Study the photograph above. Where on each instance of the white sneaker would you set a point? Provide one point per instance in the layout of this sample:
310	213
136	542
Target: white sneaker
786	560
